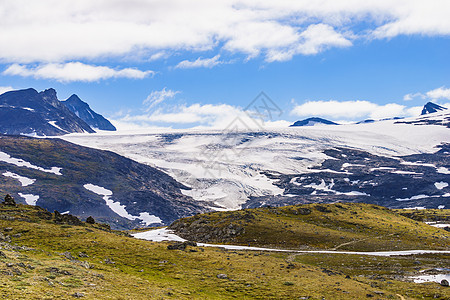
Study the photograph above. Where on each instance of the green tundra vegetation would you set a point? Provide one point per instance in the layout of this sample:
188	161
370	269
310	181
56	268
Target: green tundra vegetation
52	256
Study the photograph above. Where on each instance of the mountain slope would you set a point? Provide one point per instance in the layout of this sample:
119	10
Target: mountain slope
84	112
58	175
42	259
32	113
313	122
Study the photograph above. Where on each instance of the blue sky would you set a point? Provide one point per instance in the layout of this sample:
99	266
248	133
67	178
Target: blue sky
196	63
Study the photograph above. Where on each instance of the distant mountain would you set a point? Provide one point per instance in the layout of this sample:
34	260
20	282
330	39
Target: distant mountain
313	122
84	112
37	113
59	175
431	107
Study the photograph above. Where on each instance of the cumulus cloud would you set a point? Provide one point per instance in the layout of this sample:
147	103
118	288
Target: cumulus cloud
355	110
216	116
157	97
439	93
58	31
200	63
74	71
4	89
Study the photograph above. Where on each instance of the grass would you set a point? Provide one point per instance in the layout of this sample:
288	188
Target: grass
343	226
36	267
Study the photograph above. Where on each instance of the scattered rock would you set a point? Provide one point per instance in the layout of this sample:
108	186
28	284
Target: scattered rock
82	254
222	276
444	282
3	255
109	261
58	271
7	229
90	220
78	295
68	255
9	200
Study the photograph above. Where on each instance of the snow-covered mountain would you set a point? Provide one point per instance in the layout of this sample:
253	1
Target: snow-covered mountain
431	107
84	112
37	113
394	163
313	122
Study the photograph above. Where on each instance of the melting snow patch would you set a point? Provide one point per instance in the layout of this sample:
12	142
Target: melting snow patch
53	123
416	208
441	185
118	208
21	163
25	181
416	197
29	198
441	206
430	278
443	170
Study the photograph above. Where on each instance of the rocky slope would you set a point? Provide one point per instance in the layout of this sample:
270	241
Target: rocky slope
58	175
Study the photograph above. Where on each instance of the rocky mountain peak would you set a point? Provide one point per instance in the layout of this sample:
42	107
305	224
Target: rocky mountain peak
431	107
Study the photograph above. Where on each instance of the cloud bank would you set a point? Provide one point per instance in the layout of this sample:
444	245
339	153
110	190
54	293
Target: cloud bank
49	31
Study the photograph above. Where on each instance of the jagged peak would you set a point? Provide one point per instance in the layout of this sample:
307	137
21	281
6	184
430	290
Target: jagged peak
431	107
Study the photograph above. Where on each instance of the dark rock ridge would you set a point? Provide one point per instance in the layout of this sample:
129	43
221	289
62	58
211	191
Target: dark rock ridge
30	112
431	107
312	122
139	188
84	112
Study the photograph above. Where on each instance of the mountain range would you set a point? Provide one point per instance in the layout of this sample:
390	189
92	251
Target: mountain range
29	112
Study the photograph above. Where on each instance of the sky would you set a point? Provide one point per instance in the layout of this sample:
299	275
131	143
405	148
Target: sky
201	63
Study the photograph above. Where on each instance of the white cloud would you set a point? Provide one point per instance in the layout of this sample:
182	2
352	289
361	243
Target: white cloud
412	96
59	31
217	116
200	63
353	110
74	71
156	97
313	40
439	93
4	89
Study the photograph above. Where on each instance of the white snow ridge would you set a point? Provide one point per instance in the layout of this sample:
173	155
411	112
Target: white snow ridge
120	209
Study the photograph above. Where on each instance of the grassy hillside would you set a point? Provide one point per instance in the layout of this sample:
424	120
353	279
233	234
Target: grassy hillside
343	226
41	259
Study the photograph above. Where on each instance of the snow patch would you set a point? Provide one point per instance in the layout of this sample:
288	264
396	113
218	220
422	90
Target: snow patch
443	170
25	181
53	123
441	185
29	198
417	197
430	278
118	208
21	163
